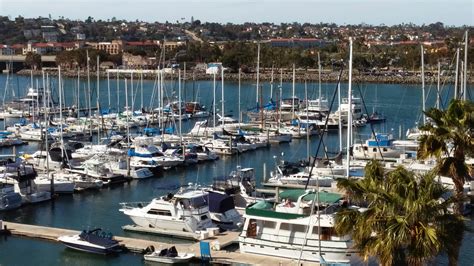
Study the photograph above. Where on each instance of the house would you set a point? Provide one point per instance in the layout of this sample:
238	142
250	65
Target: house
114	47
6	50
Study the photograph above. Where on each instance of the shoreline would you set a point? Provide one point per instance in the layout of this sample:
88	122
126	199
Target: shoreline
332	77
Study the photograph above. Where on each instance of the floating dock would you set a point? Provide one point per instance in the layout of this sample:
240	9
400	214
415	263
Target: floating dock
231	256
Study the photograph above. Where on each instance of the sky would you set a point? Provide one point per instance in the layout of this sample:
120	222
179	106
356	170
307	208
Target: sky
375	12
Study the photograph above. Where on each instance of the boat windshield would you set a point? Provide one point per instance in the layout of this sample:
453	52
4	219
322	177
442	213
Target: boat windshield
198	202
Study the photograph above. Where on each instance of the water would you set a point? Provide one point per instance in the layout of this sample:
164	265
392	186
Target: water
400	103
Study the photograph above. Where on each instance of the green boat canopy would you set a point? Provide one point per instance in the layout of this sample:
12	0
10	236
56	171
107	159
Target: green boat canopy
324	197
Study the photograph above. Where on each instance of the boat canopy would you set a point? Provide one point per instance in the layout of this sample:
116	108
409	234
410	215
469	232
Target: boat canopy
324	197
265	209
220	203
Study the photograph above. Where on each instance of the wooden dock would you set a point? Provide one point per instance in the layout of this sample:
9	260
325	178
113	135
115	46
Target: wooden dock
229	256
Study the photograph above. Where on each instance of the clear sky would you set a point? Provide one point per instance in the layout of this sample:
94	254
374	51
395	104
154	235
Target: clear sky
389	12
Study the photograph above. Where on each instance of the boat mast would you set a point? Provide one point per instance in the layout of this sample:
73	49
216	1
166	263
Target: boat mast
46	134
141	89
222	95
179	109
97	98
438	96
240	115
319	77
78	93
214	101
423	84
258	73
339	115
108	87
271	85
307	120
456	75
89	92
293	94
349	111
464	96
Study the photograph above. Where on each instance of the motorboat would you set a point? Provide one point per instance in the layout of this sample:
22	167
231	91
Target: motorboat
168	256
93	241
61	185
185	211
379	147
294	229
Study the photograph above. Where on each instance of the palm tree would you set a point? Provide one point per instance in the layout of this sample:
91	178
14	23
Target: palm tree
404	220
450	138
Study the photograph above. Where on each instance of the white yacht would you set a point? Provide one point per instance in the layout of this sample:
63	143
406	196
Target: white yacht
379	147
186	211
61	185
293	229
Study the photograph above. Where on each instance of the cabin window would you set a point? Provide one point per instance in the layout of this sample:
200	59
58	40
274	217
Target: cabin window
285	226
299	228
326	232
252	228
269	224
384	149
203	217
159	212
374	149
365	148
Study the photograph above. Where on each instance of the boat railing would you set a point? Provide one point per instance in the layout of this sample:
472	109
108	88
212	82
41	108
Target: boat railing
133	205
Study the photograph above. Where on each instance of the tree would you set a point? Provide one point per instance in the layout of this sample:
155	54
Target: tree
449	138
404	222
33	60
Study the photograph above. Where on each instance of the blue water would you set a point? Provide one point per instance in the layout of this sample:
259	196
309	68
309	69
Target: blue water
400	103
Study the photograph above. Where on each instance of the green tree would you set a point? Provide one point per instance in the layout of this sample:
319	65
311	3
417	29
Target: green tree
449	138
33	60
405	221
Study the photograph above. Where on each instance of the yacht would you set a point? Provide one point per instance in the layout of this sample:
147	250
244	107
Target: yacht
294	229
379	147
185	211
93	241
61	185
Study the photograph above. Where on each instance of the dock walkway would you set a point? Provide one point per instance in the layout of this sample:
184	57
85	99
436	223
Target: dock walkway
139	245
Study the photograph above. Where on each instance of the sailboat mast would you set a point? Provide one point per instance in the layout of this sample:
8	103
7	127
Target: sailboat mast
89	92
293	94
240	115
339	115
258	72
179	107
141	89
222	94
214	101
349	111
271	85
97	98
438	96
423	84
456	75
108	87
319	77
464	95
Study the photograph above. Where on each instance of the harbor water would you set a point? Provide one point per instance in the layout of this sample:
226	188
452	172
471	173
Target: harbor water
401	104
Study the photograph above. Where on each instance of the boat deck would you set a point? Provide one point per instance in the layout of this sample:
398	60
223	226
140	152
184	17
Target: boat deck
231	255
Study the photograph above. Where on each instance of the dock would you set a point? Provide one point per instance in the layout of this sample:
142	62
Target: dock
224	256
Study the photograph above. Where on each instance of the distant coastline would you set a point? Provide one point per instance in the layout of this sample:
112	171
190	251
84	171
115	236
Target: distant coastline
310	76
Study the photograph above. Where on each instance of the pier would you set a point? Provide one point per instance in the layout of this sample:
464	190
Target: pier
232	255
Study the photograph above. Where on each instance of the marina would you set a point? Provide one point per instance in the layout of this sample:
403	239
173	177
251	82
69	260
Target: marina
137	143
